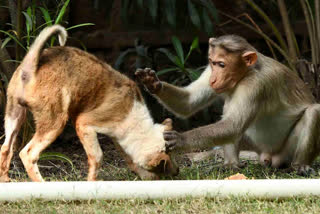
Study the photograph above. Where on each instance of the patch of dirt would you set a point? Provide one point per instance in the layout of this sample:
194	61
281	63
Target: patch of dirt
74	151
113	166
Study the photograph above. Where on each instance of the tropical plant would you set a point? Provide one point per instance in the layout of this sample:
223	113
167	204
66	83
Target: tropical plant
57	156
179	61
32	28
143	56
200	12
24	40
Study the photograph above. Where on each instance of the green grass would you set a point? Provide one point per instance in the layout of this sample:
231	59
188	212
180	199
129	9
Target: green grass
187	205
114	168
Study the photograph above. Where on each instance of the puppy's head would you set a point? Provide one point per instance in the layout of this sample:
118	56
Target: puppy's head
161	163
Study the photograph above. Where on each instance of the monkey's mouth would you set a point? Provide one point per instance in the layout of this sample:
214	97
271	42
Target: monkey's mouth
220	89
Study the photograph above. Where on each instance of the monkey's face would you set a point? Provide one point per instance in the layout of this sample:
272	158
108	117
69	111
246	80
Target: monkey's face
227	68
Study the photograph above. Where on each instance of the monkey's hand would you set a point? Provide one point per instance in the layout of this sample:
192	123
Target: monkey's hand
149	79
174	140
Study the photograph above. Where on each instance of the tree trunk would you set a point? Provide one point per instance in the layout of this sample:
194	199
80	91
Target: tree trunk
310	74
288	30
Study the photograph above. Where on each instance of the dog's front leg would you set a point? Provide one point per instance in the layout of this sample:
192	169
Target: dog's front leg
89	140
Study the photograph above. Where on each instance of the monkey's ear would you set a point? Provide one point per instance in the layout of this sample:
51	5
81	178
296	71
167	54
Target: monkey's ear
250	57
211	40
167	124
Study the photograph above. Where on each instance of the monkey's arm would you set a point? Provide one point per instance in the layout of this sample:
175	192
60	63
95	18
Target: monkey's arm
236	120
182	101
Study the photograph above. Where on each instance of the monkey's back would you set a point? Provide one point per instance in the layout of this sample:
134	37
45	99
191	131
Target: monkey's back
279	82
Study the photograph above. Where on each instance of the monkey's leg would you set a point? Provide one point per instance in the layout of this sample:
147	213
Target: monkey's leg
231	156
15	116
89	140
231	152
306	137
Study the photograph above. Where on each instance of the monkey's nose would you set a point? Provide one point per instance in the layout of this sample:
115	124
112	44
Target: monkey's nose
213	82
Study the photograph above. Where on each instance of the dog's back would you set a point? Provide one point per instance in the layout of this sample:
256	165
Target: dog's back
79	82
62	83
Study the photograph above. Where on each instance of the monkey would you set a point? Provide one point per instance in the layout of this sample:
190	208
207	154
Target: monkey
61	83
268	108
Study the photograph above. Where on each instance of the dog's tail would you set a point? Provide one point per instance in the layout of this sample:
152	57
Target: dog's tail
31	60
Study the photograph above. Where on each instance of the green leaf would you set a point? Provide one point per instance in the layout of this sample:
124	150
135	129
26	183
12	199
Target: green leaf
53	39
28	22
193	74
44	24
194	15
14	38
29	12
5	42
80	25
46	16
153	8
208	26
178	47
170	9
62	12
56	156
194	45
122	56
12	60
211	8
168	54
178	62
167	70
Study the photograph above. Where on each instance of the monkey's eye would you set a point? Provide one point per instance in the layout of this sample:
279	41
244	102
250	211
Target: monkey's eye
221	64
212	62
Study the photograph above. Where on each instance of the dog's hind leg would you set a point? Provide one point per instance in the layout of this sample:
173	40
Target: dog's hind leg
89	140
47	130
15	116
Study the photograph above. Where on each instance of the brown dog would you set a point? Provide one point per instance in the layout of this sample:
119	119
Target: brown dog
62	83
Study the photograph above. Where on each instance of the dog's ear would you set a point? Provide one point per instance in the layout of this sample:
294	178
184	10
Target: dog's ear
158	162
167	124
161	163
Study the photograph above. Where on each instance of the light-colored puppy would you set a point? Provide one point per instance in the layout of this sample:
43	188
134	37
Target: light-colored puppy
62	83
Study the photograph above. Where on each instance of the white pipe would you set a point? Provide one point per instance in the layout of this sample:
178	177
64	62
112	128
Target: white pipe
159	189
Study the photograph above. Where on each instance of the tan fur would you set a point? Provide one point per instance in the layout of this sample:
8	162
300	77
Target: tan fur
71	84
267	108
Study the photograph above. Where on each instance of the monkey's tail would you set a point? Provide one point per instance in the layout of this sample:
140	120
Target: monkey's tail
31	60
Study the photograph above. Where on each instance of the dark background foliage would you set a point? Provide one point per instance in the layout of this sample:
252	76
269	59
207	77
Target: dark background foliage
170	36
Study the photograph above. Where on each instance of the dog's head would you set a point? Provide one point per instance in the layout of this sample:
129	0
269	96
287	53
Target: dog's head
161	163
